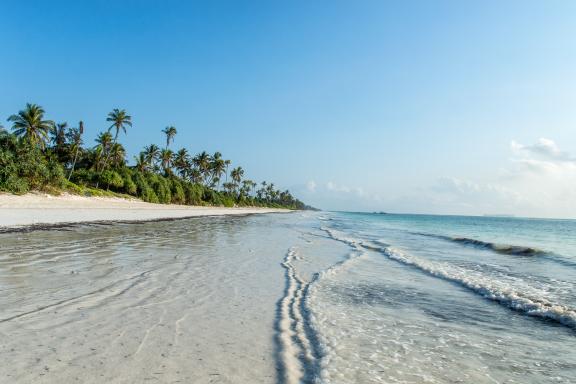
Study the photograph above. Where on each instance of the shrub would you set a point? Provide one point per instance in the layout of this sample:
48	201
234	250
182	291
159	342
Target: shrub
129	184
178	196
161	187
111	179
193	193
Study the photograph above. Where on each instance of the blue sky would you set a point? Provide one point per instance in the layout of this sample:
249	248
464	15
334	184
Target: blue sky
416	106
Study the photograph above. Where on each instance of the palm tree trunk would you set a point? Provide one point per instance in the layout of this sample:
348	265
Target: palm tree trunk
108	154
73	164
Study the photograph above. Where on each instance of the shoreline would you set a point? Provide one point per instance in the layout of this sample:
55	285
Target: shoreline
36	211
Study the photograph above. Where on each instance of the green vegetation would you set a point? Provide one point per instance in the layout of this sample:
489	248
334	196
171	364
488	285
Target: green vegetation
42	155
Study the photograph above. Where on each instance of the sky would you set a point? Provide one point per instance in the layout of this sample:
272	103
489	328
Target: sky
442	107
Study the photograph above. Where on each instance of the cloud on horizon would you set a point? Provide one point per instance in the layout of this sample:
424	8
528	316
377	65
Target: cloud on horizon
538	180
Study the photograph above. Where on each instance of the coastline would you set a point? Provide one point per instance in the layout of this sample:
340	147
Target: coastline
38	211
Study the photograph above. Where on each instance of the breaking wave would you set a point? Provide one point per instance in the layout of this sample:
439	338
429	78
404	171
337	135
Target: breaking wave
510	292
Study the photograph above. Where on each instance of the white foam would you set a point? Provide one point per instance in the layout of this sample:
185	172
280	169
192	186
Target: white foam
512	292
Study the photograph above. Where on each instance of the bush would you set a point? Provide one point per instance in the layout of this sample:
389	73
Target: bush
83	177
111	179
178	196
143	189
193	193
161	187
129	184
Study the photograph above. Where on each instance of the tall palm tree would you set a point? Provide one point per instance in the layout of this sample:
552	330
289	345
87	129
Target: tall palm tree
227	164
151	152
170	132
120	120
58	133
117	155
58	139
29	124
218	165
75	140
202	162
236	175
181	161
105	142
141	162
166	160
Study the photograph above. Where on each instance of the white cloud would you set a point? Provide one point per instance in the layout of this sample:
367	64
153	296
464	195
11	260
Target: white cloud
545	149
538	180
311	186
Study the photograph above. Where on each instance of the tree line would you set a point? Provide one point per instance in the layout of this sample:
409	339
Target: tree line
39	154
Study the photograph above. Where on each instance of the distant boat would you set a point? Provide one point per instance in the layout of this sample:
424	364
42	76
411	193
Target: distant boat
380	213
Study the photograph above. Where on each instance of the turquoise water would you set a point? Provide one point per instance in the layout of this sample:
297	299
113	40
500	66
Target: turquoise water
307	297
446	299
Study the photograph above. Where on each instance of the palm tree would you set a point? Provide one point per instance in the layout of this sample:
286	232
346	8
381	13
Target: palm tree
105	142
29	124
227	164
120	120
202	162
181	161
218	166
75	140
141	162
166	160
59	135
117	155
236	175
170	132
151	153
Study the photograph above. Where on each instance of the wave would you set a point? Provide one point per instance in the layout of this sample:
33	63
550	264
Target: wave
506	249
512	293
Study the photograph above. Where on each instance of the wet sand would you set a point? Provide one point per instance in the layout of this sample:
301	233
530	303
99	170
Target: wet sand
197	300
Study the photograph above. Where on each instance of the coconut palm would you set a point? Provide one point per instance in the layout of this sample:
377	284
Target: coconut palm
181	161
202	162
170	132
58	133
227	164
166	160
151	153
75	139
236	175
120	120
141	162
102	150
218	166
117	155
29	124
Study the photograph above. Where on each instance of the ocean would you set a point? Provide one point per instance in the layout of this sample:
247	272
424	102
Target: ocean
305	297
448	299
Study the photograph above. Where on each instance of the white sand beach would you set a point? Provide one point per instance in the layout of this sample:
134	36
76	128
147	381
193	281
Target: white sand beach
199	300
36	209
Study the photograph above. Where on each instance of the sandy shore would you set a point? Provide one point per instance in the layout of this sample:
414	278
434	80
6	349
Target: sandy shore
35	209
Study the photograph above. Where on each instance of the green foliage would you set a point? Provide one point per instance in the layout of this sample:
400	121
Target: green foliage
128	184
83	176
41	155
177	191
193	193
161	187
111	179
24	167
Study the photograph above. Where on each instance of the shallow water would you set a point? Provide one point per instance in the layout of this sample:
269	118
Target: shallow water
290	298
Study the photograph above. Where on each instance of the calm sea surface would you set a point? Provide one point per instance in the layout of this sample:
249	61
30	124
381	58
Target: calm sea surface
307	297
